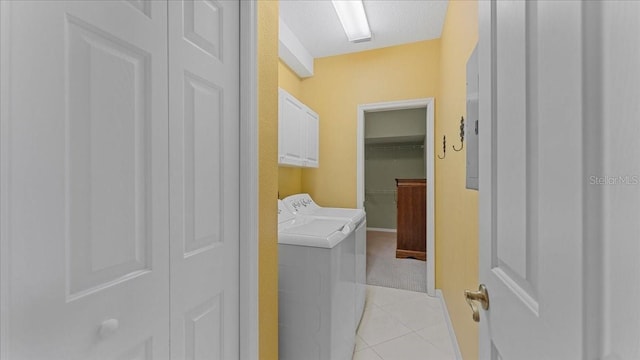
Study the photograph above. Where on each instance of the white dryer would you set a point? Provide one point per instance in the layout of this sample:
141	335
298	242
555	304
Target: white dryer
303	205
316	287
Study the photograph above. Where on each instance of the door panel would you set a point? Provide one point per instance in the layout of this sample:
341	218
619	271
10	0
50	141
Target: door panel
85	181
107	192
141	351
511	125
144	6
530	179
202	163
516	152
204	128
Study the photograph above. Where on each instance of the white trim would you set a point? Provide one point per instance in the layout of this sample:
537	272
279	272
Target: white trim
447	319
429	167
595	267
486	47
5	79
517	291
293	53
248	182
382	230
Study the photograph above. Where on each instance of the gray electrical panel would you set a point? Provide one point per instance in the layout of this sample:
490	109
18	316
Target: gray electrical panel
471	120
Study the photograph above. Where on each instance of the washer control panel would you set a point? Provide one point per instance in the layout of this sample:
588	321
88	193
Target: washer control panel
299	202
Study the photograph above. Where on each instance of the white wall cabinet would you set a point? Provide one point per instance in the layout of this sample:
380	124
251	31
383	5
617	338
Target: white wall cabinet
298	133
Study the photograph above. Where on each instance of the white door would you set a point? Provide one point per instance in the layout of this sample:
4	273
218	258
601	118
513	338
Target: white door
85	216
615	184
204	147
531	179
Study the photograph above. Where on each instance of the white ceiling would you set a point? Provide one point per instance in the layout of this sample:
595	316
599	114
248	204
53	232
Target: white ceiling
392	22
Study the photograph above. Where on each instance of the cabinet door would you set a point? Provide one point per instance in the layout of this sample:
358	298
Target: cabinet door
311	138
291	116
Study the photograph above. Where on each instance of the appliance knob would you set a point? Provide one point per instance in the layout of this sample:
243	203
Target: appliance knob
108	328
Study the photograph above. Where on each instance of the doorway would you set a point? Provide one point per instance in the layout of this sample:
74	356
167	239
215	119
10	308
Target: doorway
398	152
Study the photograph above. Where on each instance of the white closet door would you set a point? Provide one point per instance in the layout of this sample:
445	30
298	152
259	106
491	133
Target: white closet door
84	180
204	128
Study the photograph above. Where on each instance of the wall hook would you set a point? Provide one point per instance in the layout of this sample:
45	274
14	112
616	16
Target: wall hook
444	147
461	135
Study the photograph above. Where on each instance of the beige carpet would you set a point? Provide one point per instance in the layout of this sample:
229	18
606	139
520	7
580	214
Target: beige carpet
383	269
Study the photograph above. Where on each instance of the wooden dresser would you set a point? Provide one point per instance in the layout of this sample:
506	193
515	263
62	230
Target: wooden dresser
412	213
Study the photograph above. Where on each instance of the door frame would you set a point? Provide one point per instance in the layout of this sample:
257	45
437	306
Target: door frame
4	176
429	104
249	281
248	147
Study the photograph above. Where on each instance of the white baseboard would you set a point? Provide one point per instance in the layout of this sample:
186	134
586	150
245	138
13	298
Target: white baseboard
452	334
382	230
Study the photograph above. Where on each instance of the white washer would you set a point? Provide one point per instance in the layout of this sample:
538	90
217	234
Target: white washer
303	205
316	287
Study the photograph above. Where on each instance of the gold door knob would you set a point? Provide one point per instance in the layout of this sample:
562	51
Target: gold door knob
473	297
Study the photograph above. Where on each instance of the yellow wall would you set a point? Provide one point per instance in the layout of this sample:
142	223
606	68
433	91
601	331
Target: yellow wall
456	207
339	85
289	178
435	68
289	80
268	178
289	181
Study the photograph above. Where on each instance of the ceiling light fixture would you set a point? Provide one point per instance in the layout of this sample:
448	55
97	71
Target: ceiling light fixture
353	18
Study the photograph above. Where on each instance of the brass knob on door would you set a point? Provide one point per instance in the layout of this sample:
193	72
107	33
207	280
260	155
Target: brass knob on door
474	297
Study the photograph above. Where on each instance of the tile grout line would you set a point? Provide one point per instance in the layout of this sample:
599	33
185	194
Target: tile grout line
411	330
435	345
372	347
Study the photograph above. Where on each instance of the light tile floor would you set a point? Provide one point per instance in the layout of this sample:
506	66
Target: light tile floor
402	325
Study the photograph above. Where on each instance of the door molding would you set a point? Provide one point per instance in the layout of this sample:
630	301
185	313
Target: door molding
248	181
427	103
5	81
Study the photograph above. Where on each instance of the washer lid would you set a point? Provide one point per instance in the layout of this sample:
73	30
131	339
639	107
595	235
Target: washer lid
303	204
314	232
316	228
355	215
